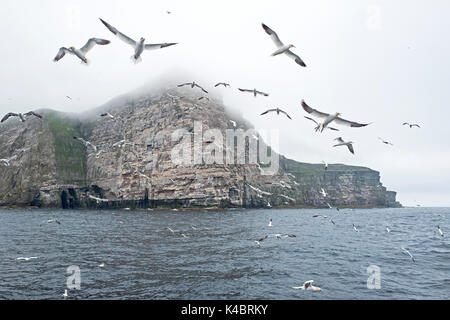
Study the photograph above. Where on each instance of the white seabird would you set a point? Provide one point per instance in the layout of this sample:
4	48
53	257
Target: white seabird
80	53
440	231
233	123
107	114
26	258
282	48
192	85
385	142
320	216
98	199
387	229
411	125
349	144
354	227
308	286
101	265
86	143
21	116
408	253
255	92
323	192
278	111
138	46
318	125
7	161
330	118
222	84
270	223
65	295
326	165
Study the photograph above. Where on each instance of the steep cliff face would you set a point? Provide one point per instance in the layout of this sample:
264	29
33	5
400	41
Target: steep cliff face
134	165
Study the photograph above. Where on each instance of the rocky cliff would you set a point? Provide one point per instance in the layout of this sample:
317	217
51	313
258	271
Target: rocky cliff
133	163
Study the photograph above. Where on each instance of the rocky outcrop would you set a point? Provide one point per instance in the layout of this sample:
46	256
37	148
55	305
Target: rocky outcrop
134	165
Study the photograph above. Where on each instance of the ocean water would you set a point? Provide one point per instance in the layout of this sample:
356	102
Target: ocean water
219	258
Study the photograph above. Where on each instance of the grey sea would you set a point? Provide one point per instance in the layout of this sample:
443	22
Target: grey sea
217	258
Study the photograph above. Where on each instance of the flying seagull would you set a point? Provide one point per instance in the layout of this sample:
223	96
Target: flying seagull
278	111
222	84
258	242
440	231
326	165
192	84
138	46
26	258
7	161
323	192
408	253
385	142
330	118
107	114
411	125
308	286
86	143
282	48
354	227
318	125
21	116
80	53
349	144
255	92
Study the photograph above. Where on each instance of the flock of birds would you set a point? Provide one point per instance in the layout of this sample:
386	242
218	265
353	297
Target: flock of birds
327	119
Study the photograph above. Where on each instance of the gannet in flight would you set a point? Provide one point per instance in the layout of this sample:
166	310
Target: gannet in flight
86	143
278	111
323	192
107	114
440	231
270	223
385	142
80	53
326	165
320	216
258	242
138	46
233	123
330	118
282	48
408	253
308	286
255	92
54	220
317	128
354	227
21	116
349	144
8	160
411	125
98	199
192	85
387	229
222	84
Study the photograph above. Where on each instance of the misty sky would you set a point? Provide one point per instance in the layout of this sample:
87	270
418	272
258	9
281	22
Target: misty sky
385	62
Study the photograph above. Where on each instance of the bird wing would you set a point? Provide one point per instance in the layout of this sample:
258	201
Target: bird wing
263	93
31	113
406	123
334	129
312	120
415	125
267	111
201	88
350	123
10	114
273	35
350	148
184	84
314	112
218	84
285	114
92	42
119	34
61	53
154	46
339	140
296	58
245	90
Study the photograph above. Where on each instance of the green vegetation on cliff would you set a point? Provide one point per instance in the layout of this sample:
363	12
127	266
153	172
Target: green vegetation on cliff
70	154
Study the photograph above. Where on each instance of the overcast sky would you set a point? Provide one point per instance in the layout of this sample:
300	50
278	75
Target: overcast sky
384	62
